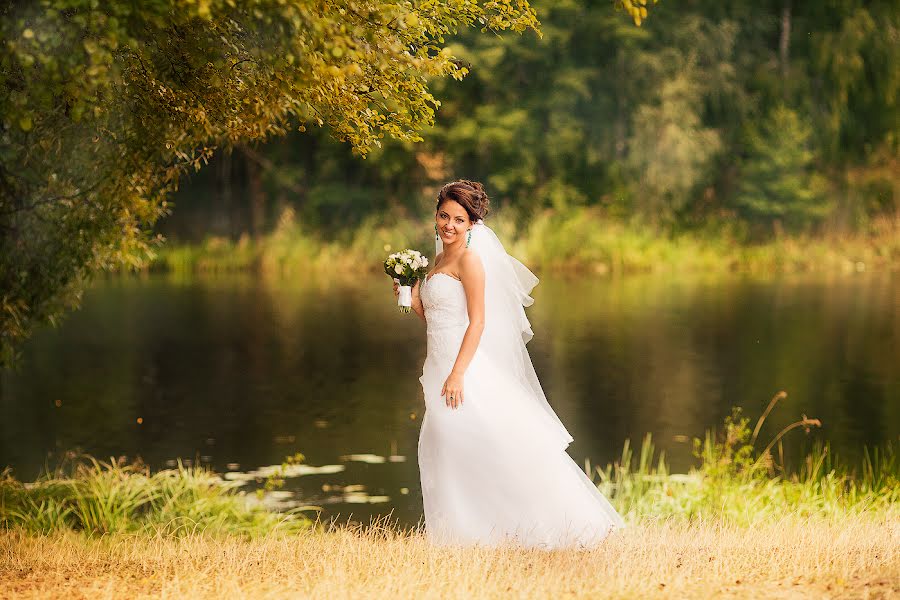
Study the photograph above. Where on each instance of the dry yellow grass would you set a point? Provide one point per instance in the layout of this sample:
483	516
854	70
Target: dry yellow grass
857	557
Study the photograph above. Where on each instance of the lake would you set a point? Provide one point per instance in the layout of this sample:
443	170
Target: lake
237	372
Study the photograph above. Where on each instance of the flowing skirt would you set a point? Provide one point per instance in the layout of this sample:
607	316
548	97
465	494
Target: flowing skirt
494	471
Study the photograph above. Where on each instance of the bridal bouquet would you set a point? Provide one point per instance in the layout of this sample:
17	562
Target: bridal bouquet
406	267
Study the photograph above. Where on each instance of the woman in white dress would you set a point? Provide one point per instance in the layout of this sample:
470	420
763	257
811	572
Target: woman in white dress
492	456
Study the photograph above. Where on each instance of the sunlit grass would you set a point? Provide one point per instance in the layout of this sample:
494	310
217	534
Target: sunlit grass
788	557
739	483
582	240
737	525
737	480
578	240
98	498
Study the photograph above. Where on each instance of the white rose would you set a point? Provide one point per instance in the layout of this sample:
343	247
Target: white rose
398	269
424	262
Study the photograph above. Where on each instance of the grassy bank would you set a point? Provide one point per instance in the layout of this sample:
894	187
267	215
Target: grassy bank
737	480
738	525
98	498
742	481
579	240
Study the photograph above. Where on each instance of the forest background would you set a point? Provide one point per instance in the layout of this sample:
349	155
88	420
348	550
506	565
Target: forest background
728	136
744	120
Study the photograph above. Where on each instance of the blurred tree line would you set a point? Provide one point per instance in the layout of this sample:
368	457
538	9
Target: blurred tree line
753	117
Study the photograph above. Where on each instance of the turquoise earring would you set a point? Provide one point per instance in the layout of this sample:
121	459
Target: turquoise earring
469	237
436	238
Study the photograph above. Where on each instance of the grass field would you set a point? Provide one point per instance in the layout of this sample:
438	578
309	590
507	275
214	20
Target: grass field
736	526
791	557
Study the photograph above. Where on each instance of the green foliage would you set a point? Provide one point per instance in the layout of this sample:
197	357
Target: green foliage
779	180
734	481
738	483
275	480
100	498
650	122
676	123
580	239
670	152
106	107
856	60
294	249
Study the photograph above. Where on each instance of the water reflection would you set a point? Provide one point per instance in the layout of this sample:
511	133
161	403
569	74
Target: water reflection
239	372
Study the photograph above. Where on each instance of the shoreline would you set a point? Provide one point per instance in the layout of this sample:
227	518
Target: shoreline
737	526
578	242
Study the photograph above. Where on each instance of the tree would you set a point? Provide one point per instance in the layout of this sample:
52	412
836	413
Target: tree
103	109
779	183
670	153
648	121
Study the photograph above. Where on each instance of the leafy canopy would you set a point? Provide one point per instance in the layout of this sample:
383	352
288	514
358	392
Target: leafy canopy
105	104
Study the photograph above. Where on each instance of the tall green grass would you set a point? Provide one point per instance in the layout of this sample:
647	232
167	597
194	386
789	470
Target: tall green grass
737	482
579	239
97	497
292	249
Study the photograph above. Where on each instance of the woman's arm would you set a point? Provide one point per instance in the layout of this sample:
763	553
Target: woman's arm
471	273
417	300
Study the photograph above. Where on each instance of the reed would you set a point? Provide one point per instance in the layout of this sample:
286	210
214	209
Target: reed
738	483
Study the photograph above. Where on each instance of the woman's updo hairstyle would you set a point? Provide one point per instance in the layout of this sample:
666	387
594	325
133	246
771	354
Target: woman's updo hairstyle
469	194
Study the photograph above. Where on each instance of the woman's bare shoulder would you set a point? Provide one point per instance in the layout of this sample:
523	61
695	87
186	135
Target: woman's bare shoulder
470	262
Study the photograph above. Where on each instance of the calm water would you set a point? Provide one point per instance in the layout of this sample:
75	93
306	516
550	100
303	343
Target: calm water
239	372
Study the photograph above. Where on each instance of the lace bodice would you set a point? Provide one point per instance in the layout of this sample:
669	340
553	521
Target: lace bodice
446	315
444	300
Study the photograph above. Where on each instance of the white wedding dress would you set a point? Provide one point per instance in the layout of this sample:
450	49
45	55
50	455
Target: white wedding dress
494	470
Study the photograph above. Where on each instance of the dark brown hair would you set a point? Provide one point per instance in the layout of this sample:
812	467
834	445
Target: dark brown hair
469	194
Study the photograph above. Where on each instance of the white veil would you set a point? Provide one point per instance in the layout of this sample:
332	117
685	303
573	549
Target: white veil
507	286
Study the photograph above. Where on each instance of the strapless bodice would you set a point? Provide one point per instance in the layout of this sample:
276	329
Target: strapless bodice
444	300
446	316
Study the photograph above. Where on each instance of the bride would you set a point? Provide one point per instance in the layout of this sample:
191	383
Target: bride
492	456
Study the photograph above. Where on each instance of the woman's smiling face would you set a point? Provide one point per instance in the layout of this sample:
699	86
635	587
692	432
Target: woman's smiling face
452	221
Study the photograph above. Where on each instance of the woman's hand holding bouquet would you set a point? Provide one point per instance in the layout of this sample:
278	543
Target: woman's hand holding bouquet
406	267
